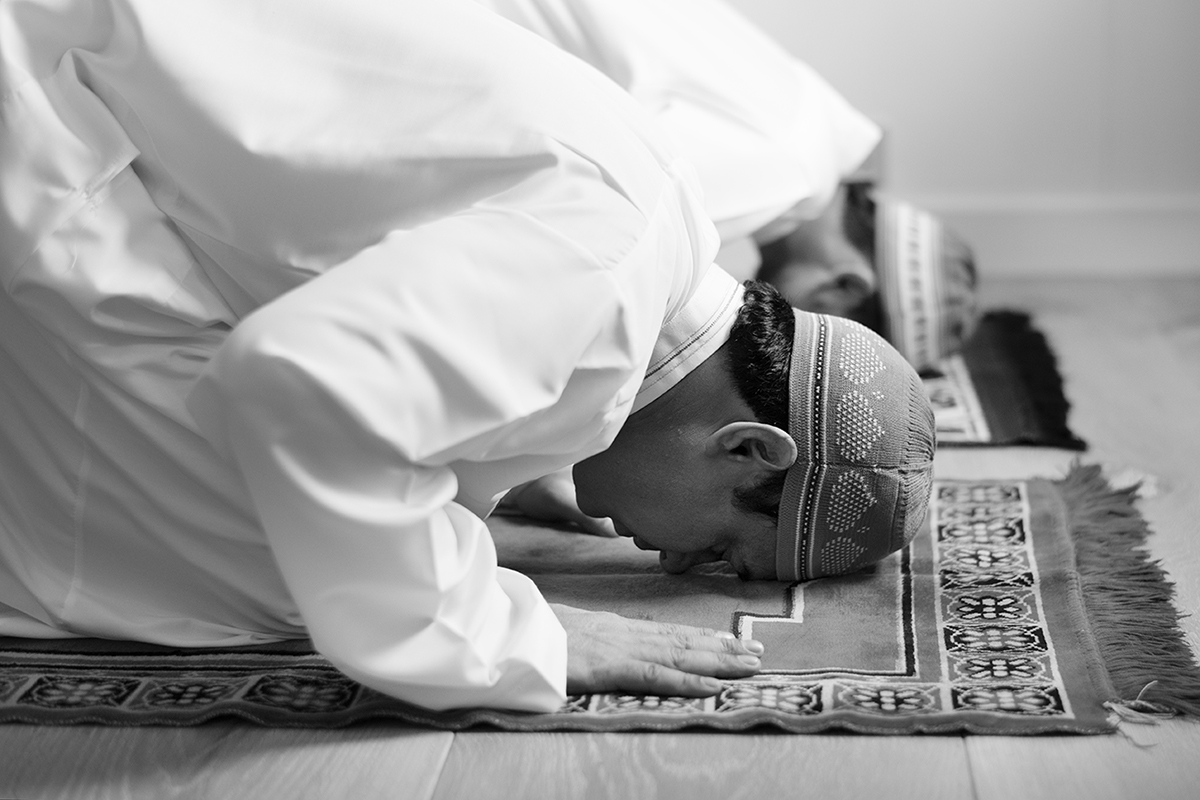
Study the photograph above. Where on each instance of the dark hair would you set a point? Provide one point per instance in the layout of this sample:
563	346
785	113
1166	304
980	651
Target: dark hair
760	356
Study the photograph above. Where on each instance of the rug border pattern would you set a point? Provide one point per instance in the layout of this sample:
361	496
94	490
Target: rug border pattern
990	613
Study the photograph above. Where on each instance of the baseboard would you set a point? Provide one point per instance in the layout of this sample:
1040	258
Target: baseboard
1076	235
1069	236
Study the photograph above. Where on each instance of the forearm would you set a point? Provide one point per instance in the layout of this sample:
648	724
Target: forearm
340	436
397	585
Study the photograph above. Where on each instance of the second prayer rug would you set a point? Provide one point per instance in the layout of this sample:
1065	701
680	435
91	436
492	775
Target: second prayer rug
1024	607
1003	389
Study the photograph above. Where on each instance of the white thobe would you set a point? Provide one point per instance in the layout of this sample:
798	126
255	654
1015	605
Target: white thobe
770	138
293	292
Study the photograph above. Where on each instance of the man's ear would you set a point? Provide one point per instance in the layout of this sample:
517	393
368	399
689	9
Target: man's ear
755	443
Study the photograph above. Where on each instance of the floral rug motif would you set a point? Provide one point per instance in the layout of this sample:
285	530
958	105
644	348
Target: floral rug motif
986	623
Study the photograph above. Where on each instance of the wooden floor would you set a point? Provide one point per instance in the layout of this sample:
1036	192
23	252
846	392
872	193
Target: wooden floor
1130	352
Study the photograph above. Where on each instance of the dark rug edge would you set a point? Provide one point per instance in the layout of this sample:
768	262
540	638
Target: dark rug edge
1028	357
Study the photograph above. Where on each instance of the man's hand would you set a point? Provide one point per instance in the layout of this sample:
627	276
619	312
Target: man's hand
607	652
552	498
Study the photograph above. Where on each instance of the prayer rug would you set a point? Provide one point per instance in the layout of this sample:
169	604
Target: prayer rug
1024	607
1003	389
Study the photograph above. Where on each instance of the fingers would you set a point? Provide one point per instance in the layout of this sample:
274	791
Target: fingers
653	678
691	638
677	671
611	653
706	662
701	653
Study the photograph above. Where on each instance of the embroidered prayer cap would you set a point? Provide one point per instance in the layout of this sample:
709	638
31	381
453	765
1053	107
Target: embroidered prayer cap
860	486
926	283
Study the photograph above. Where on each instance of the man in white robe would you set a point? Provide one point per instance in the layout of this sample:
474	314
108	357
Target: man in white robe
295	292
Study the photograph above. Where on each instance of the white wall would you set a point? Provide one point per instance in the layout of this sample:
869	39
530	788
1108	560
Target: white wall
1059	136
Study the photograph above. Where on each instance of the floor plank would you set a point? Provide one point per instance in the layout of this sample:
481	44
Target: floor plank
364	761
700	766
219	760
99	762
1163	767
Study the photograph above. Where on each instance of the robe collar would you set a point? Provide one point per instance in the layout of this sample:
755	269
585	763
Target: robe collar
693	334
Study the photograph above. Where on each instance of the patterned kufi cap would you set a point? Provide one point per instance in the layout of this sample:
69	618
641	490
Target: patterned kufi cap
926	283
859	488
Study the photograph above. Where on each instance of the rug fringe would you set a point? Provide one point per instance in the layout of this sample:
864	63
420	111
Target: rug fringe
1128	598
1139	711
1031	356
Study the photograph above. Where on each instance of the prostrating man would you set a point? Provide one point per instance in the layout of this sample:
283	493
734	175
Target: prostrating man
295	292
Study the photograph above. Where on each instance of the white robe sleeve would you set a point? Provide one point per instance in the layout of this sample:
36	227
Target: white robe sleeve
343	402
397	584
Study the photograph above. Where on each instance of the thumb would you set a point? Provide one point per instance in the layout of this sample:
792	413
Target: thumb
596	526
676	563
